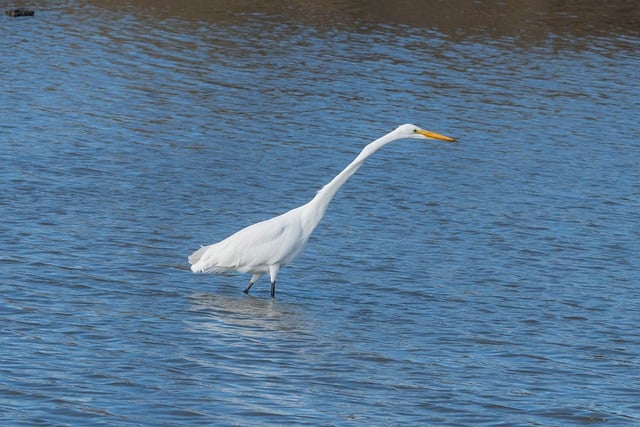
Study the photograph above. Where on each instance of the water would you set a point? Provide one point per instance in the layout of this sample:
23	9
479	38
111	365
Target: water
491	282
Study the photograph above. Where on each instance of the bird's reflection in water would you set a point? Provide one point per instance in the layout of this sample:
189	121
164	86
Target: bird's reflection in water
245	315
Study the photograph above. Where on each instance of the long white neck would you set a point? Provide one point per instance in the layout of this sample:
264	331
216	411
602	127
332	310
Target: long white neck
314	210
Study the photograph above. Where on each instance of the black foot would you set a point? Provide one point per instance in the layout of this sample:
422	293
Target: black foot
246	290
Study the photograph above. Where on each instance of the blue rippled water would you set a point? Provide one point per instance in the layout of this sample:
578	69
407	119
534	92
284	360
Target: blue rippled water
490	282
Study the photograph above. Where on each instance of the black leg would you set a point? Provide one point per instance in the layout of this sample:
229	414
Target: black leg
253	280
273	289
246	290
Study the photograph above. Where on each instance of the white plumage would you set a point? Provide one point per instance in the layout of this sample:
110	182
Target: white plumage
266	246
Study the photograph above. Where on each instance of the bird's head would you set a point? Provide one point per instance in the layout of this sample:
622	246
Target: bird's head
413	131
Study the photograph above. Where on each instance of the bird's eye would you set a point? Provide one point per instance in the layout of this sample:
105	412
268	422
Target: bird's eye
415	131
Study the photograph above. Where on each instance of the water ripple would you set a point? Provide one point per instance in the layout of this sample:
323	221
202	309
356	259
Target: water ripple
487	282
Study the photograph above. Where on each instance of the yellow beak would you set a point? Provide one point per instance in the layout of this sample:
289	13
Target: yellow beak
433	135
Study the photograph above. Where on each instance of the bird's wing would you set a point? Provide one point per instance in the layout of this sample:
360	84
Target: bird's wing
274	241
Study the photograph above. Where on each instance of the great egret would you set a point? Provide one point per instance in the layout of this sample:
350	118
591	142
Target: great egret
266	246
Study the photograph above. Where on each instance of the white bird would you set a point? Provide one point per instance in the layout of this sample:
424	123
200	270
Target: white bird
266	246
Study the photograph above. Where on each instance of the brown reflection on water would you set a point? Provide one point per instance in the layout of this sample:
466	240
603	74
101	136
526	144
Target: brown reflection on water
525	19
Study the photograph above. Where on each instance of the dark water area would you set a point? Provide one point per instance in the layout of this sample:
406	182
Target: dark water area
489	282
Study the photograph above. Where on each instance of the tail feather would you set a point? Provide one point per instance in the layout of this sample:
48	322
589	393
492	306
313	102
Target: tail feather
204	261
195	257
